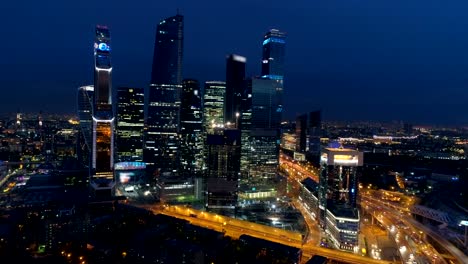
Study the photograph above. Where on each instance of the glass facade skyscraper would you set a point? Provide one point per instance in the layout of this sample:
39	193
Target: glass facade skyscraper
102	152
235	85
223	170
162	141
162	138
168	51
273	54
213	104
191	127
267	105
85	113
130	124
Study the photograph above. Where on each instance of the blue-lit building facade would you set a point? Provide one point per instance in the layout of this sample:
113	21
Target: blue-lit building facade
162	137
129	174
102	161
130	124
273	54
338	190
267	109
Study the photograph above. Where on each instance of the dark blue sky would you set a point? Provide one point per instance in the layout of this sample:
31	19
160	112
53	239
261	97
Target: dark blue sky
355	59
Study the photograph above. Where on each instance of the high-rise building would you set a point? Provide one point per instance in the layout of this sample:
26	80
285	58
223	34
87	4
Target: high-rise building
338	190
235	85
308	134
85	113
301	133
102	161
191	127
222	175
314	134
213	111
130	124
213	105
246	127
267	107
168	51
273	54
162	138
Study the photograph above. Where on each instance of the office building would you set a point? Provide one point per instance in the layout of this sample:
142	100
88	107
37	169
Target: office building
308	134
85	113
213	105
102	157
338	190
191	128
267	105
168	51
222	175
273	54
235	85
130	124
245	125
162	138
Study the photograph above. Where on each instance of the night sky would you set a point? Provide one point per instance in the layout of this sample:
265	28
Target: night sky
354	59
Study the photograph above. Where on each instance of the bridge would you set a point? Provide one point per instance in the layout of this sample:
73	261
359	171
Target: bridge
235	228
429	213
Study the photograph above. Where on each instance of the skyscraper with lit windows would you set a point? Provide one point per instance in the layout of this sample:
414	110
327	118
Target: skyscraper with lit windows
338	190
102	161
191	127
213	104
130	124
162	137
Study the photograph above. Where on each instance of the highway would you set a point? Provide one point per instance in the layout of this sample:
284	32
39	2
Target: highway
235	228
395	207
415	231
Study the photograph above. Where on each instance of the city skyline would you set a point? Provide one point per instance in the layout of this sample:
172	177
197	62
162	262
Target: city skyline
380	61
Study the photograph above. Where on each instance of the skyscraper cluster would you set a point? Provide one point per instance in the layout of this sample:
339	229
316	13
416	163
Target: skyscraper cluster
221	135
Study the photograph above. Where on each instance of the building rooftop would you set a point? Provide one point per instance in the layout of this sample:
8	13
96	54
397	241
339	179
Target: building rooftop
342	210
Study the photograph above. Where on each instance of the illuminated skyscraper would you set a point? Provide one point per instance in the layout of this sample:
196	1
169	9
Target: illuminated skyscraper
235	85
338	190
273	54
102	153
266	110
213	104
130	123
191	127
162	138
168	51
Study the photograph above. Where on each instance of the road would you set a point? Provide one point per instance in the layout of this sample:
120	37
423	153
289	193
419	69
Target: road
235	228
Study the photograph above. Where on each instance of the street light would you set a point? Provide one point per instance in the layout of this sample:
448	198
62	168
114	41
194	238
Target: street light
464	223
237	119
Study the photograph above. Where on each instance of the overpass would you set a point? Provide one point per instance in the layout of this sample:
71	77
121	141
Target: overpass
429	213
235	228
